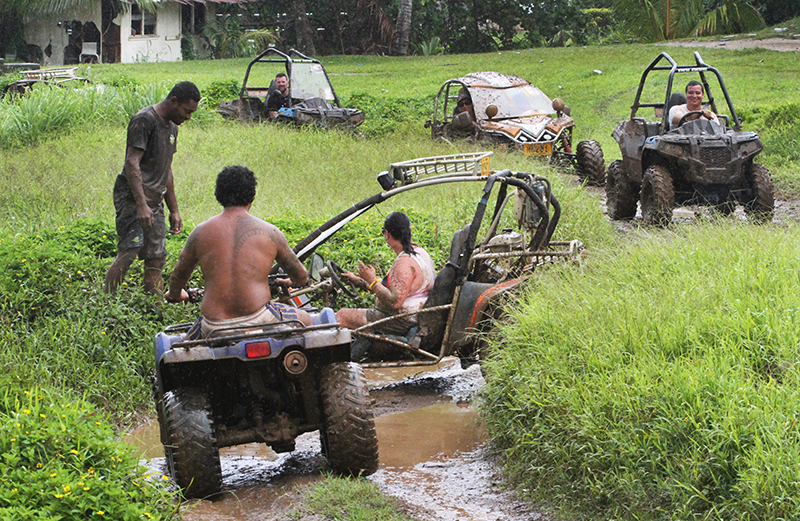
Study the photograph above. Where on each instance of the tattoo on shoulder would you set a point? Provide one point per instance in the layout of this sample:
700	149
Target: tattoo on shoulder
248	227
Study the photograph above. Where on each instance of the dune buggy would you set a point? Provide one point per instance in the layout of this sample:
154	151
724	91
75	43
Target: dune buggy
696	162
312	98
485	265
508	109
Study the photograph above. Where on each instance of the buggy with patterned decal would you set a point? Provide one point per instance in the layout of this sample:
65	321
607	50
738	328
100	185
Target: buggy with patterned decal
502	108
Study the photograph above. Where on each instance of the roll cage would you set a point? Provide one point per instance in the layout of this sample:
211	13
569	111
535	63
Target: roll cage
699	67
307	77
467	288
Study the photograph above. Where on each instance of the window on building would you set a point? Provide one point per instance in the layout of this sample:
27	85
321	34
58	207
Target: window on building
193	18
142	22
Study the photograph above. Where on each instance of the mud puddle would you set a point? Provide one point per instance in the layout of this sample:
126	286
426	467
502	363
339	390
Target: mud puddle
433	456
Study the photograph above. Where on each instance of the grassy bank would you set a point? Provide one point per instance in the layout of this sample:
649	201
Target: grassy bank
660	382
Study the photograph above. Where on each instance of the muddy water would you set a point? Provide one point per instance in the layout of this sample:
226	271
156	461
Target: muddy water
431	446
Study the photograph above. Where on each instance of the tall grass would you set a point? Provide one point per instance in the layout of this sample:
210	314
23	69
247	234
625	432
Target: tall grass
660	382
48	111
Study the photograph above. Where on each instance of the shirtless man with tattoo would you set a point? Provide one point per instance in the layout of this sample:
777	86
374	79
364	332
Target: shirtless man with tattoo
235	251
406	287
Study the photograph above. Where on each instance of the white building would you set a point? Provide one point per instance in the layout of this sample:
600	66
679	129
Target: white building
132	35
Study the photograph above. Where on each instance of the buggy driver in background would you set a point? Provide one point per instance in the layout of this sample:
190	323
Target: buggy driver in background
278	98
236	251
407	284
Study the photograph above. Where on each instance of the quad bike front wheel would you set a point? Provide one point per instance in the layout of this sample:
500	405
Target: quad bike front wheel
349	441
621	194
761	206
591	166
193	455
658	196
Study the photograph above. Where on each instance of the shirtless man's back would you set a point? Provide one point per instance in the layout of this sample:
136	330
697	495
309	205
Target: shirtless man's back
235	252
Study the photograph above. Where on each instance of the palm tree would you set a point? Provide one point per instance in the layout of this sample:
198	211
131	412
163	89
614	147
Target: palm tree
657	20
403	29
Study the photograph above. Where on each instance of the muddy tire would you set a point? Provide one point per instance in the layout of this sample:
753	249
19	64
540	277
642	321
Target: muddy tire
621	194
193	455
349	441
658	196
761	206
158	400
591	167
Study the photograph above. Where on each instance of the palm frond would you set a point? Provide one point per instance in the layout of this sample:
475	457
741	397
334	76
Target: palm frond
54	6
732	16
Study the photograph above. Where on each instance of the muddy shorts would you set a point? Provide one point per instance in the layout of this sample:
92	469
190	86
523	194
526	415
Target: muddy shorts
398	326
269	314
151	244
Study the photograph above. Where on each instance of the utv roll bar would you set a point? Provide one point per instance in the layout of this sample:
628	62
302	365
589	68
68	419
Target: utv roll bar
293	56
699	67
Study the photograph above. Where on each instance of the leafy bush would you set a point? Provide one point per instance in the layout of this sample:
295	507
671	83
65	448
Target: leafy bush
53	311
60	460
385	115
218	91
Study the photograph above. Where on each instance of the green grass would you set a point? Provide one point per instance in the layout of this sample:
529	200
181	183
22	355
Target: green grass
350	499
660	382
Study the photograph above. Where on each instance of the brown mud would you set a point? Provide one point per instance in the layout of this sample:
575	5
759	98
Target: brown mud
434	457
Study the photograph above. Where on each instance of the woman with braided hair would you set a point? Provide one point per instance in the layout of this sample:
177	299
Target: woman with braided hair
406	285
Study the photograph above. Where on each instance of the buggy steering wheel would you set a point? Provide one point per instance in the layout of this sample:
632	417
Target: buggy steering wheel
335	270
685	117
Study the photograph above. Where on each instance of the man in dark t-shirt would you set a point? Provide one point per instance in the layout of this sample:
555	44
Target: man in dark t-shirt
278	98
145	184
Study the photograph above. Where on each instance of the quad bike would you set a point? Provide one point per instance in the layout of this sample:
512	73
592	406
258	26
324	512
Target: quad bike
312	98
509	109
696	162
265	384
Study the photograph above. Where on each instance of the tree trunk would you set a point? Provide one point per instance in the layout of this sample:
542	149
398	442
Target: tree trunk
303	31
402	29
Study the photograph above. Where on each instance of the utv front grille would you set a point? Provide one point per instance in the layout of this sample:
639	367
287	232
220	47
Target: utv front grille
715	156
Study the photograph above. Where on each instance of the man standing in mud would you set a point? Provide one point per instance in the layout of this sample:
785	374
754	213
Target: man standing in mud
235	251
144	185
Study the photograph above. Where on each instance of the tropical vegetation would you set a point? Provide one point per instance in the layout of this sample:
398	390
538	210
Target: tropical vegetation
655	381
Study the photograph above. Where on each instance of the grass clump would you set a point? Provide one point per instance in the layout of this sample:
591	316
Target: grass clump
60	460
351	499
47	111
665	387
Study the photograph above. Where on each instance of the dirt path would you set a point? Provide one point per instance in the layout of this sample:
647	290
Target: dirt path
774	44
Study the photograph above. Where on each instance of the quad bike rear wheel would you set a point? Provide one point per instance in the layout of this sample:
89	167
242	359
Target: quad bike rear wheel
591	166
193	455
658	196
349	441
761	206
621	194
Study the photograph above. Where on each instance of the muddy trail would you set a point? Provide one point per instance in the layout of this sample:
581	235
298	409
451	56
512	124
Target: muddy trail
433	457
